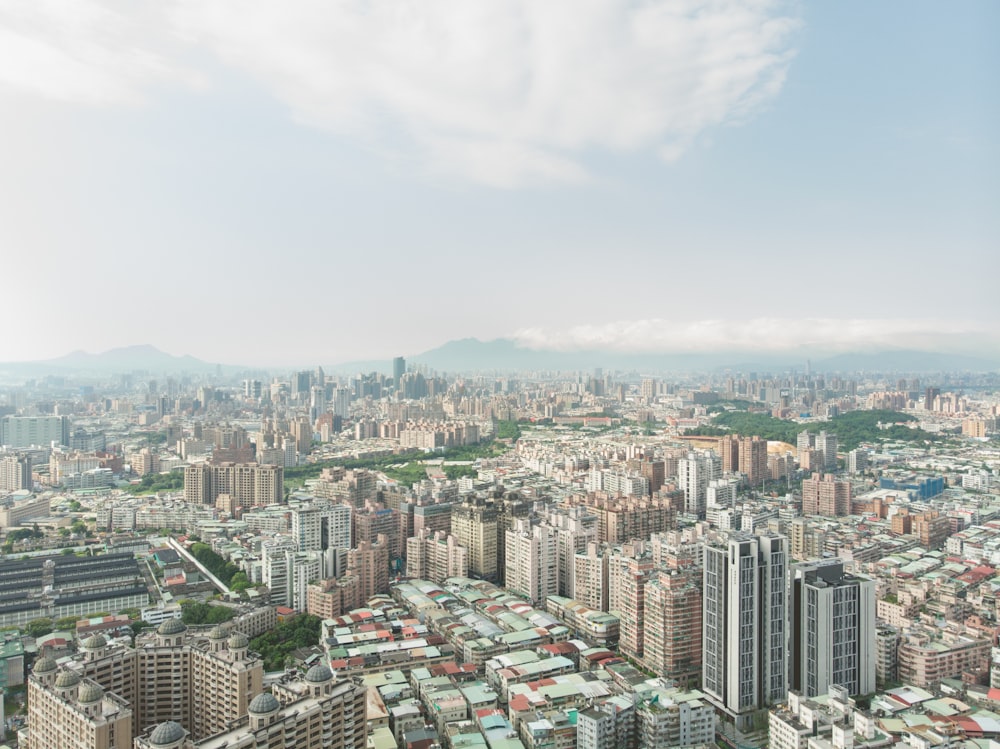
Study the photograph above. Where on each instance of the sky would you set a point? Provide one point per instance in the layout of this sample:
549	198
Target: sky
311	181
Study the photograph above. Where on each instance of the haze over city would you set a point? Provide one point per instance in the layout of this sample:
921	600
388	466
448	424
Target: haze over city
276	185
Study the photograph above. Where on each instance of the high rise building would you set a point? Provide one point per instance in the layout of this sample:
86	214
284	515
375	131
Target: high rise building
435	556
474	524
693	474
314	712
832	629
823	494
398	370
203	680
248	484
532	561
25	431
15	473
672	638
827	446
322	525
67	711
744	648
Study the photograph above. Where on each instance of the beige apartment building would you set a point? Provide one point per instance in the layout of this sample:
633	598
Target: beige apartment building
67	712
317	712
204	680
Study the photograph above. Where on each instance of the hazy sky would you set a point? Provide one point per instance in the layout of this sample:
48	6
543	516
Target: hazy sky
316	181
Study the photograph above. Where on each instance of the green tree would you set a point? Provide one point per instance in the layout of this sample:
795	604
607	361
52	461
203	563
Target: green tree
38	627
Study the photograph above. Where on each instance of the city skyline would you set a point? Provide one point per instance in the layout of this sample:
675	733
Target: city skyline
654	178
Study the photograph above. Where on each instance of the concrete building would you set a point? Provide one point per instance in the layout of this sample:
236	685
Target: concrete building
474	524
823	494
744	622
436	556
67	711
321	525
532	561
672	638
693	474
248	483
25	431
316	712
831	629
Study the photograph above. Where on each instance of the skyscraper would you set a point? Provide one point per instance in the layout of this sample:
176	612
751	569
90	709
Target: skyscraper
398	370
745	655
832	628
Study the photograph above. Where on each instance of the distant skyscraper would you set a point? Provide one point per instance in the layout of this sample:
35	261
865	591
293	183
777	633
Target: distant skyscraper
398	370
745	643
832	618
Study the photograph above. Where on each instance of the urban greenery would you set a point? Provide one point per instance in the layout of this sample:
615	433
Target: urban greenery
193	612
215	564
508	430
158	482
277	645
852	428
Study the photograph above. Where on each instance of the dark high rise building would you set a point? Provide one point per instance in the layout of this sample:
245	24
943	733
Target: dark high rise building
398	369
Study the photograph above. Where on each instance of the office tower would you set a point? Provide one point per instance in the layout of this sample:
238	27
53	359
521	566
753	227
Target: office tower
693	474
248	483
15	473
253	389
672	640
930	395
474	524
317	402
532	561
744	639
822	494
832	629
321	525
398	370
827	446
26	431
857	461
67	711
301	382
342	402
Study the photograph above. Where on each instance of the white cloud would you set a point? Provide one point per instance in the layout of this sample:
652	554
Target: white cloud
86	51
500	92
770	334
506	92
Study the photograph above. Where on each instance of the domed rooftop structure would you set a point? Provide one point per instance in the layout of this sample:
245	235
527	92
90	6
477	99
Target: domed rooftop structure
318	674
44	665
264	703
90	693
218	633
238	641
166	734
172	627
94	642
67	679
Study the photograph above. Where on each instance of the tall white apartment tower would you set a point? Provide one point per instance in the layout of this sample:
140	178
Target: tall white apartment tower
693	475
832	629
744	628
321	526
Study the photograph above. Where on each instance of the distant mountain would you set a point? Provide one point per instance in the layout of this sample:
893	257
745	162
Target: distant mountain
504	355
119	360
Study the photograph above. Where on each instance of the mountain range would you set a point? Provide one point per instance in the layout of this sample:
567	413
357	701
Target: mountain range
504	355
